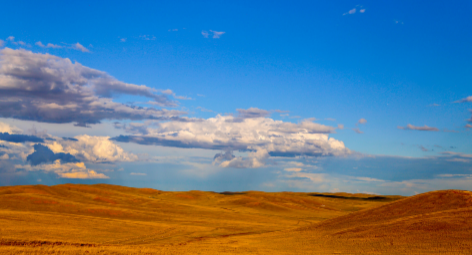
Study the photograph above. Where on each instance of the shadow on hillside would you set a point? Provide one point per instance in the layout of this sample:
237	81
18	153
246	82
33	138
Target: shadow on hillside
373	198
229	193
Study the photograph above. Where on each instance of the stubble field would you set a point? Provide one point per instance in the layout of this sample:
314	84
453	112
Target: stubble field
108	219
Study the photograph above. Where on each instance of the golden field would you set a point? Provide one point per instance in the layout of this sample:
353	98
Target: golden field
108	219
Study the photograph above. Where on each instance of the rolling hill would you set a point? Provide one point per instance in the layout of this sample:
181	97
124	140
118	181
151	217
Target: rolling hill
109	219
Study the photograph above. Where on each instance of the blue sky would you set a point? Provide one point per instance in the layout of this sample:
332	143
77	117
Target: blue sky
300	73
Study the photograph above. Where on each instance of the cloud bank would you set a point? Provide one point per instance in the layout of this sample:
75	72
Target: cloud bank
250	131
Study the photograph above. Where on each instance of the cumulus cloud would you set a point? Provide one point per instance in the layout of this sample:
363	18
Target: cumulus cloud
217	34
5	128
67	170
43	154
424	128
47	88
261	136
464	100
362	121
94	149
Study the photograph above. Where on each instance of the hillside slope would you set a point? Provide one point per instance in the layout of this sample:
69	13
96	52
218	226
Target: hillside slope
429	223
108	219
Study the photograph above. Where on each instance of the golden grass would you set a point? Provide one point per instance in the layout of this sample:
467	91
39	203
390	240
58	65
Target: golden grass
108	219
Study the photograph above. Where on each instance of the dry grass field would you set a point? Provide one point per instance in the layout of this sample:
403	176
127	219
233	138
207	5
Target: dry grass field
108	219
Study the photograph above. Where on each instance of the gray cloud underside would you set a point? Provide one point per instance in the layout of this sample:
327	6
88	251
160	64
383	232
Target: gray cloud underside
424	128
16	138
43	154
215	145
47	88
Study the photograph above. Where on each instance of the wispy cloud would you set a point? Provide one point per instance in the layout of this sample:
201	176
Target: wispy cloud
203	109
468	126
138	174
423	148
362	121
357	131
423	128
2	42
354	10
148	37
217	34
123	40
464	100
49	45
79	47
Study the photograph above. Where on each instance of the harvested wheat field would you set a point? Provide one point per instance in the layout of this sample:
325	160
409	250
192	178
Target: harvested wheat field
108	219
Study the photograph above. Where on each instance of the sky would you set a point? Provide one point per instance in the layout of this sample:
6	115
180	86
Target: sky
335	96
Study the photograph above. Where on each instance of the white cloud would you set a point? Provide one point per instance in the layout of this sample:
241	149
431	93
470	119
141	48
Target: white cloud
6	128
205	34
362	121
64	92
217	34
468	126
95	149
2	42
123	39
79	47
49	45
293	169
11	38
261	136
68	170
351	11
464	100
355	9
